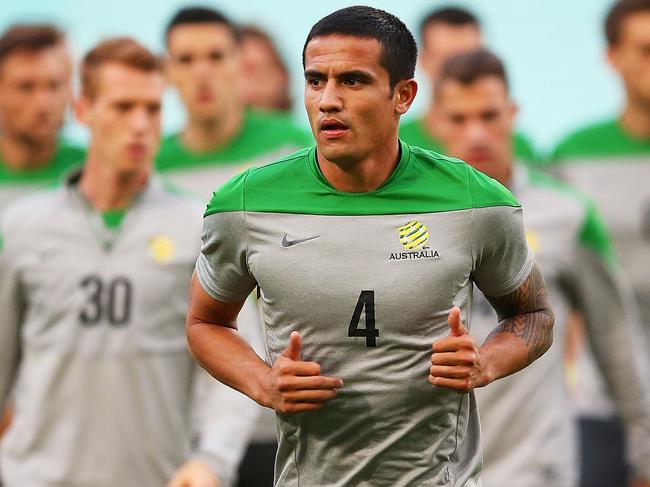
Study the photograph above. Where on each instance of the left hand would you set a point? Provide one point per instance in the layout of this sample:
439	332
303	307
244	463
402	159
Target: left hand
456	362
194	473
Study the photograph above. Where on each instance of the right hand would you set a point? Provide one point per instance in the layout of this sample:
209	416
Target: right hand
293	386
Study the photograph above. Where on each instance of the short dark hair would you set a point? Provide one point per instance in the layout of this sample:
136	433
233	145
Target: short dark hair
468	67
618	13
456	16
120	50
399	50
29	37
200	15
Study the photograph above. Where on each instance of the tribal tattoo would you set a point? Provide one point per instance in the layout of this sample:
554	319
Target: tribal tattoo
527	314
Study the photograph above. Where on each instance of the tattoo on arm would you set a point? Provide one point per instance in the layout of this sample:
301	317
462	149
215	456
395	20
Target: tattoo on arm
527	314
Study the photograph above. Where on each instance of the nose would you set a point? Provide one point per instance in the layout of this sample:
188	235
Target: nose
330	99
476	131
140	120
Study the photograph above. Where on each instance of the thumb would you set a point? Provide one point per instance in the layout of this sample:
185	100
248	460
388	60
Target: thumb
292	351
455	323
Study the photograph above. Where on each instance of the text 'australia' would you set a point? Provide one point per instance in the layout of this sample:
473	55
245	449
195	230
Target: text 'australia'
424	254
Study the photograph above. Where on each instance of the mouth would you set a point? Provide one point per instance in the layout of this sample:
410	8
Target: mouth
332	128
136	150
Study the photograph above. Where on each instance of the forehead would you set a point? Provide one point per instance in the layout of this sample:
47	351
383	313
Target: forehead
194	37
52	62
114	80
636	27
446	37
487	90
340	52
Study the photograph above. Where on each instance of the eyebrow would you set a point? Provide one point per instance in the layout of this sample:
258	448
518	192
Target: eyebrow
361	75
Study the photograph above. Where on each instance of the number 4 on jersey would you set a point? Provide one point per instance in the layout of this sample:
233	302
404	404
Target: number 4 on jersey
366	301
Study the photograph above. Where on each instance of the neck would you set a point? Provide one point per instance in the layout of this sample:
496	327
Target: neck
365	175
204	135
24	154
635	119
107	189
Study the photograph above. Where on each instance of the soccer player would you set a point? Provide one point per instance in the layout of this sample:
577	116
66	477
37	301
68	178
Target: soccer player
222	137
93	292
35	91
265	79
528	429
443	33
610	161
364	249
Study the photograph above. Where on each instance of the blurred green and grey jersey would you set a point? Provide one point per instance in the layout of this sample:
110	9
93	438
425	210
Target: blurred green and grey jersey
526	418
92	340
614	169
14	184
264	137
368	279
414	132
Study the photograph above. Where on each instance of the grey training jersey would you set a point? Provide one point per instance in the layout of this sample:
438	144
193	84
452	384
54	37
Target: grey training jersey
613	167
92	336
527	418
368	279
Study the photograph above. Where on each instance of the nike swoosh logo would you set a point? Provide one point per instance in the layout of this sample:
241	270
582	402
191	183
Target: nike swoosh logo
290	243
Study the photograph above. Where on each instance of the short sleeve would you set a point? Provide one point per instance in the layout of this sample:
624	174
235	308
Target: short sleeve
502	258
222	266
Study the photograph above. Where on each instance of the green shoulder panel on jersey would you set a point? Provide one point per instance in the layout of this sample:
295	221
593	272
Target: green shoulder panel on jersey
593	233
66	157
601	140
261	133
423	182
414	132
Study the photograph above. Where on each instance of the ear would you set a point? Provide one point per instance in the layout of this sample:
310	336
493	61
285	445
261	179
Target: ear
612	58
82	109
404	93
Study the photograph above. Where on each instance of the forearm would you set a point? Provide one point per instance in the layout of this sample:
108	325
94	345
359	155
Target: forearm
515	343
525	329
228	357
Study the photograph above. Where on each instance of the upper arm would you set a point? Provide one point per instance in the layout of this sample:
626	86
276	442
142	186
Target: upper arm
206	309
530	297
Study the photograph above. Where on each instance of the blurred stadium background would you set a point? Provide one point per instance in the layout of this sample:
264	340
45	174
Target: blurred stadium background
554	50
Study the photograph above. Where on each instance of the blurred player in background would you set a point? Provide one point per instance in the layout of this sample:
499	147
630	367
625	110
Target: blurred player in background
610	161
265	82
35	91
353	285
222	137
443	33
526	419
93	292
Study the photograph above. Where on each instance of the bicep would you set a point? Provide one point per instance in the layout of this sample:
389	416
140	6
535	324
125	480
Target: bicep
204	308
530	297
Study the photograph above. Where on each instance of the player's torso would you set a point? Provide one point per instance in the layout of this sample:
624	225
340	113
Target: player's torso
103	348
368	309
619	186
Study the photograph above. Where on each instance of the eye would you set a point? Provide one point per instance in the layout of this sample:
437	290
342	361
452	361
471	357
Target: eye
184	59
216	55
314	82
123	107
351	81
26	87
153	109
